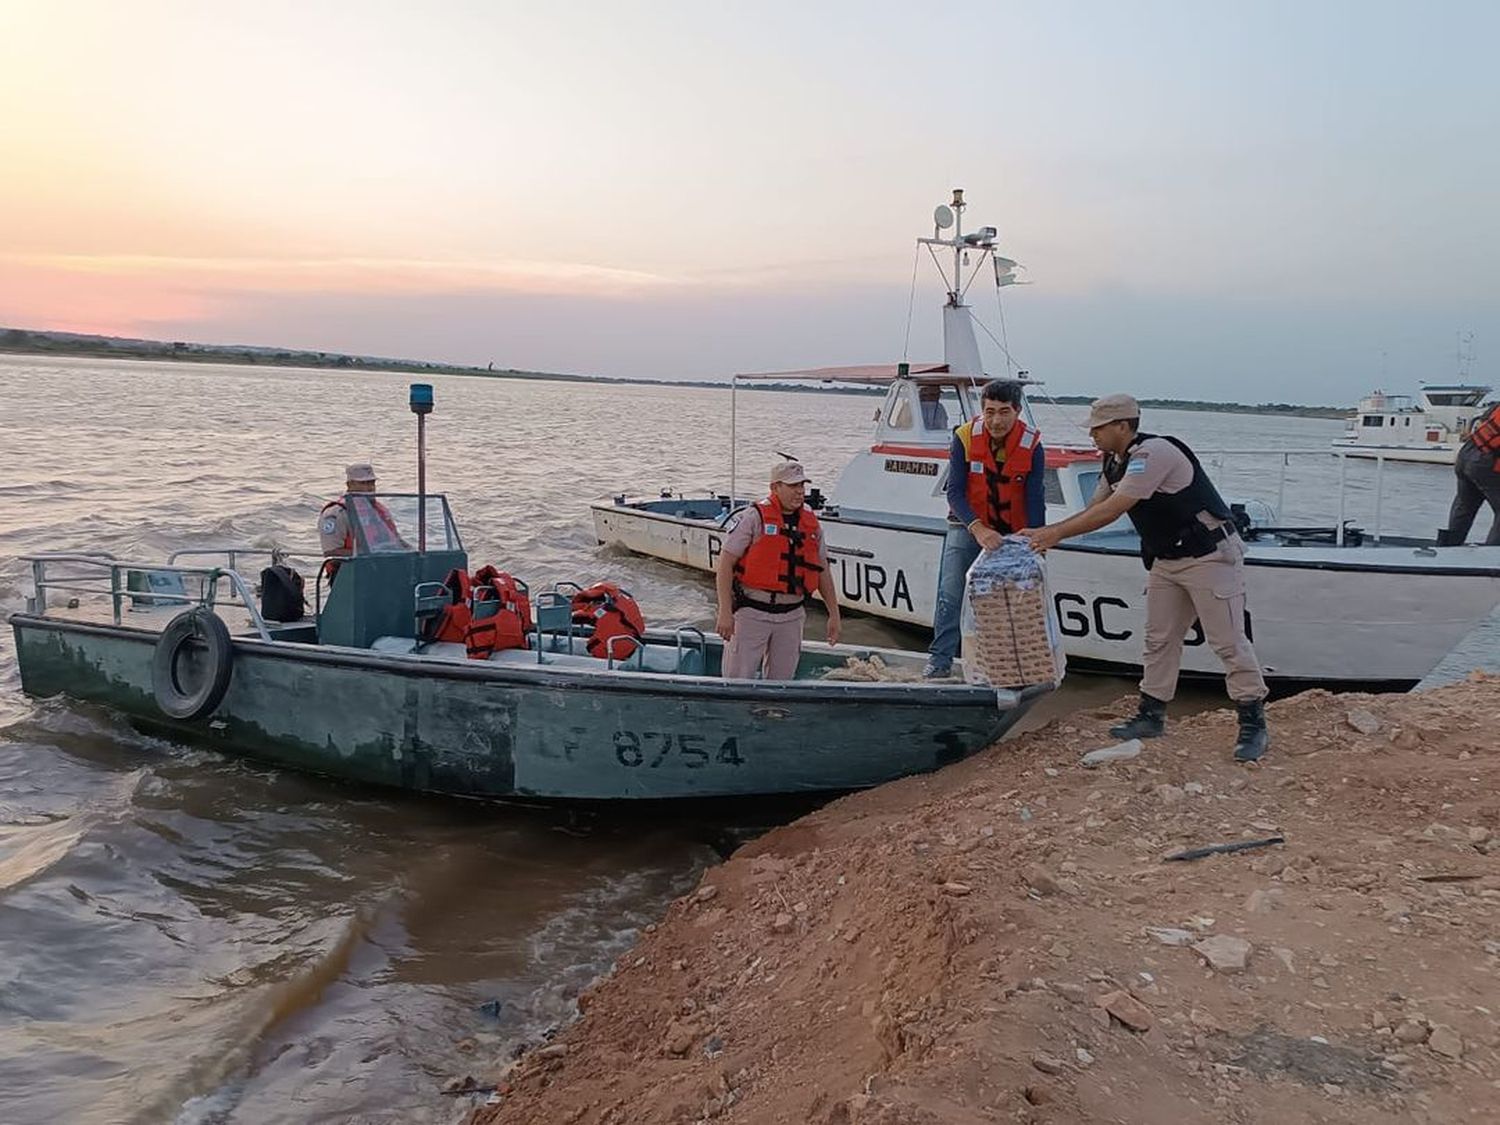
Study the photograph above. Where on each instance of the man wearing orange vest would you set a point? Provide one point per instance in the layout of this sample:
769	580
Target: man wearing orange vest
995	486
333	521
1478	469
772	561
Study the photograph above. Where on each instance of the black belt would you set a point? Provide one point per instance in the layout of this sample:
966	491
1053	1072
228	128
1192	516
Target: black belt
742	602
1197	542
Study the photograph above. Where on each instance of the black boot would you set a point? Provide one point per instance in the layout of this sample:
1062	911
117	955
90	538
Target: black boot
1150	720
1253	738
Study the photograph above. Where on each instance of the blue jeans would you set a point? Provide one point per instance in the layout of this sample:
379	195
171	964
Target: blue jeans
960	549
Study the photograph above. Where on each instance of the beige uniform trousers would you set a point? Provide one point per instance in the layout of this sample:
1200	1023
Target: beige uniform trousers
772	639
1211	589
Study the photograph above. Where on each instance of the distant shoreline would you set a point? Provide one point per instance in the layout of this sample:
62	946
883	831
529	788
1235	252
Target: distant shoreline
20	341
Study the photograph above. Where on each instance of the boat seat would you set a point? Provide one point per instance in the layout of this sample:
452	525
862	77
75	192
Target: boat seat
662	659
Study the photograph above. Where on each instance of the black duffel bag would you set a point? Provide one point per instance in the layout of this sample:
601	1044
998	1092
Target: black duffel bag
281	596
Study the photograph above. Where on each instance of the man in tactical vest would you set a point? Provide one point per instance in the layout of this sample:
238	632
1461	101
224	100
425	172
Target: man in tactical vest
1195	561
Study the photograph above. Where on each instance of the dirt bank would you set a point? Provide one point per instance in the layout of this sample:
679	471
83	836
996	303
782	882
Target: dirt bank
1003	941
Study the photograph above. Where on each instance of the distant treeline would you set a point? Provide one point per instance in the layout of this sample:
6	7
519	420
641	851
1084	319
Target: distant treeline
1220	407
33	342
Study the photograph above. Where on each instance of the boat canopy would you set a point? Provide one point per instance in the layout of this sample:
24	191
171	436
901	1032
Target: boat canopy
875	374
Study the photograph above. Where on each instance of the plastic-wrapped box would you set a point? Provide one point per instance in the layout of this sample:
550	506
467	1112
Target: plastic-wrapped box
1010	635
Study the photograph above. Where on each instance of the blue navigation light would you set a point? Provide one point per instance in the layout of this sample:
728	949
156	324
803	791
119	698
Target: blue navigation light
421	398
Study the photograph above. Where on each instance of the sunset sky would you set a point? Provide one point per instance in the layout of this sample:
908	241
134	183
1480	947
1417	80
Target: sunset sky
1245	201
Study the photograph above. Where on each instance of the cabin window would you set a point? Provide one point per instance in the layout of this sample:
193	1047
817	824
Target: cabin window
1052	488
1393	419
1088	484
1371	420
899	416
941	407
1406	421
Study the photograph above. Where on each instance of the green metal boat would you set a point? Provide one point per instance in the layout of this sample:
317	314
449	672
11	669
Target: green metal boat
353	695
350	691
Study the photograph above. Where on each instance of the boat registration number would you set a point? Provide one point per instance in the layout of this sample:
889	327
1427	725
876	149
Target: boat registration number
650	749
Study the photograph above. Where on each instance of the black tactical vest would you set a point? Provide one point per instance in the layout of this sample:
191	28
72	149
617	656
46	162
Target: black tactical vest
1168	522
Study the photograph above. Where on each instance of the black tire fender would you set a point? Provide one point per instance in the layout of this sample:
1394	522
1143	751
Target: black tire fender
191	666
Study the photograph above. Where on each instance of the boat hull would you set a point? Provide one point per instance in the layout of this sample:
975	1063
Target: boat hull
1343	616
476	730
1436	455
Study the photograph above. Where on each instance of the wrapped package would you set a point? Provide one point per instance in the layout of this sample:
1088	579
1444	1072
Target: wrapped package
1010	635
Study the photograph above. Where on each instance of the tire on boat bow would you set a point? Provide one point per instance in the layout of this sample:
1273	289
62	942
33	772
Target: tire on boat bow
191	666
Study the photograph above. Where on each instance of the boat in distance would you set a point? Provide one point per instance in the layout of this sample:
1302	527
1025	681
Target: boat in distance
180	646
1430	431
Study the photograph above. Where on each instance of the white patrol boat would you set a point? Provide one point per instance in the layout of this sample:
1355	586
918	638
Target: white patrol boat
1431	430
1330	605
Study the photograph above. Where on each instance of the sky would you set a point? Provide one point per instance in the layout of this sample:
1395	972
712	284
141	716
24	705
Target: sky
1240	201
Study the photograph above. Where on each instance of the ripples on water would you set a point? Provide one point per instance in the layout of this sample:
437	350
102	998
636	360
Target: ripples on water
185	937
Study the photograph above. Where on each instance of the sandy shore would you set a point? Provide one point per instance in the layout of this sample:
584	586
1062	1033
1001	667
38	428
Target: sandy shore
1004	942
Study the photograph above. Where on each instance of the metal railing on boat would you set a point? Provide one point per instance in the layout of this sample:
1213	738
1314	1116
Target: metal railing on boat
104	575
1284	456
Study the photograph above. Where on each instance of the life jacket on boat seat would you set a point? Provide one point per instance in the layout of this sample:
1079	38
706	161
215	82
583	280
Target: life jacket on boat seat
613	613
1486	432
784	559
499	614
452	624
997	490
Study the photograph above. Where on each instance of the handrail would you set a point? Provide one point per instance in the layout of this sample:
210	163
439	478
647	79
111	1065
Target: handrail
1343	454
110	570
233	551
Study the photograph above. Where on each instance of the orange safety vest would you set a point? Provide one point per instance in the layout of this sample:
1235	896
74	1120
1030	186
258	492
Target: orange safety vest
452	624
785	557
1486	432
613	613
997	492
506	627
381	534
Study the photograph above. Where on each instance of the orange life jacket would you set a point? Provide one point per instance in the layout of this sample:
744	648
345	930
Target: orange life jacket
785	557
500	614
1486	432
613	613
381	533
452	624
997	492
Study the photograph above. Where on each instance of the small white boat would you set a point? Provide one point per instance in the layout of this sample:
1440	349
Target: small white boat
1326	605
1432	429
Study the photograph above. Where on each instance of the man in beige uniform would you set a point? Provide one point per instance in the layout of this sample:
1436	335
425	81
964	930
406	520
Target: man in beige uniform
772	560
1194	557
333	520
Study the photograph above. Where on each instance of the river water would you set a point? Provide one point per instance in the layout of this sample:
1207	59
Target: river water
189	938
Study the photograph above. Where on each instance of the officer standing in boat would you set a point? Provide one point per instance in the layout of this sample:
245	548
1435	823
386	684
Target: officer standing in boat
995	486
333	521
1194	557
772	560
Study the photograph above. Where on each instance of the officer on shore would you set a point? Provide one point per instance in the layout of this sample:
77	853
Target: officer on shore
1194	557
